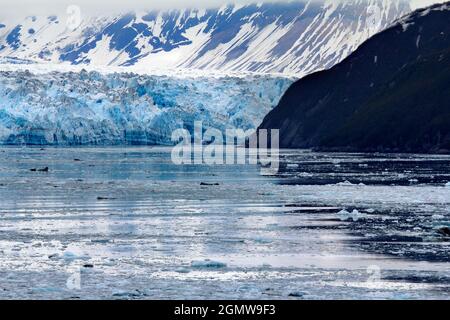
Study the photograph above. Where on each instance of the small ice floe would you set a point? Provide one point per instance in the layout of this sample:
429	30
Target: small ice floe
355	215
261	240
209	184
296	294
208	264
370	210
68	256
40	290
128	294
345	183
102	241
447	184
39	170
182	270
437	216
105	198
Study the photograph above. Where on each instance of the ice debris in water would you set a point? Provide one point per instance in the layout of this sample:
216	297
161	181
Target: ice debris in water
447	184
296	294
345	183
355	215
182	270
127	294
208	264
348	183
68	256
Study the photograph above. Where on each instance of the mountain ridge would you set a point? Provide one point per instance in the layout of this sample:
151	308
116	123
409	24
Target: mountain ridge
292	37
376	99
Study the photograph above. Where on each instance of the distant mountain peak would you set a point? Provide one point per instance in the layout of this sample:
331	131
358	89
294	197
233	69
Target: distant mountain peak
293	37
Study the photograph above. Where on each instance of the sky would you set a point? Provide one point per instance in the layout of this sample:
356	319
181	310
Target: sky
21	7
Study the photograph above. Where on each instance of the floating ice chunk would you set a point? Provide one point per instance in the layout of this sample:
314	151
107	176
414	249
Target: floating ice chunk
182	270
437	216
345	183
261	240
355	215
45	290
72	256
208	264
348	184
296	294
447	184
68	256
125	294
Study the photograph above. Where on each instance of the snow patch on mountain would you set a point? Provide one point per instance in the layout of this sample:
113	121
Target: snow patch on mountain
297	37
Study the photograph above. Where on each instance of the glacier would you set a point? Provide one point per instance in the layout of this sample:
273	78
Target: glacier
148	73
124	108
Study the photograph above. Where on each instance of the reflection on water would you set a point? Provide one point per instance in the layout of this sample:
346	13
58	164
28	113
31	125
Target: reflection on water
135	226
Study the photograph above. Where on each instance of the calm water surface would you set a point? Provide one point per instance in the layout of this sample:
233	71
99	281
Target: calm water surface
126	223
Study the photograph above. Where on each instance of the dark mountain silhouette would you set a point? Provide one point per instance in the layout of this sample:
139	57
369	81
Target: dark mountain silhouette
392	94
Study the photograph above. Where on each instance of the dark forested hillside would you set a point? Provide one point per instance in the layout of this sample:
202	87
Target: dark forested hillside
391	94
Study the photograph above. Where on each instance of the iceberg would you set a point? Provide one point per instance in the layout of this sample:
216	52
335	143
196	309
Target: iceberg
354	216
208	264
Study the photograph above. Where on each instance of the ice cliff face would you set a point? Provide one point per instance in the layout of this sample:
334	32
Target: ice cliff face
296	37
73	108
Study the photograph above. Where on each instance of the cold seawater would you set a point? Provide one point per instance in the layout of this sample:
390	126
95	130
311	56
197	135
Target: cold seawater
126	223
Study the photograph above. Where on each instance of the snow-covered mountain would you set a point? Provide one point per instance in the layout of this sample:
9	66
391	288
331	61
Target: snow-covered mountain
296	37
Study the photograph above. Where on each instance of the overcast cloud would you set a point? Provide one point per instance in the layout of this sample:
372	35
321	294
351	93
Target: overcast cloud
21	7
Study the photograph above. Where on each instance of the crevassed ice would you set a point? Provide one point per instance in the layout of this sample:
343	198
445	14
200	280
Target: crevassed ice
92	108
